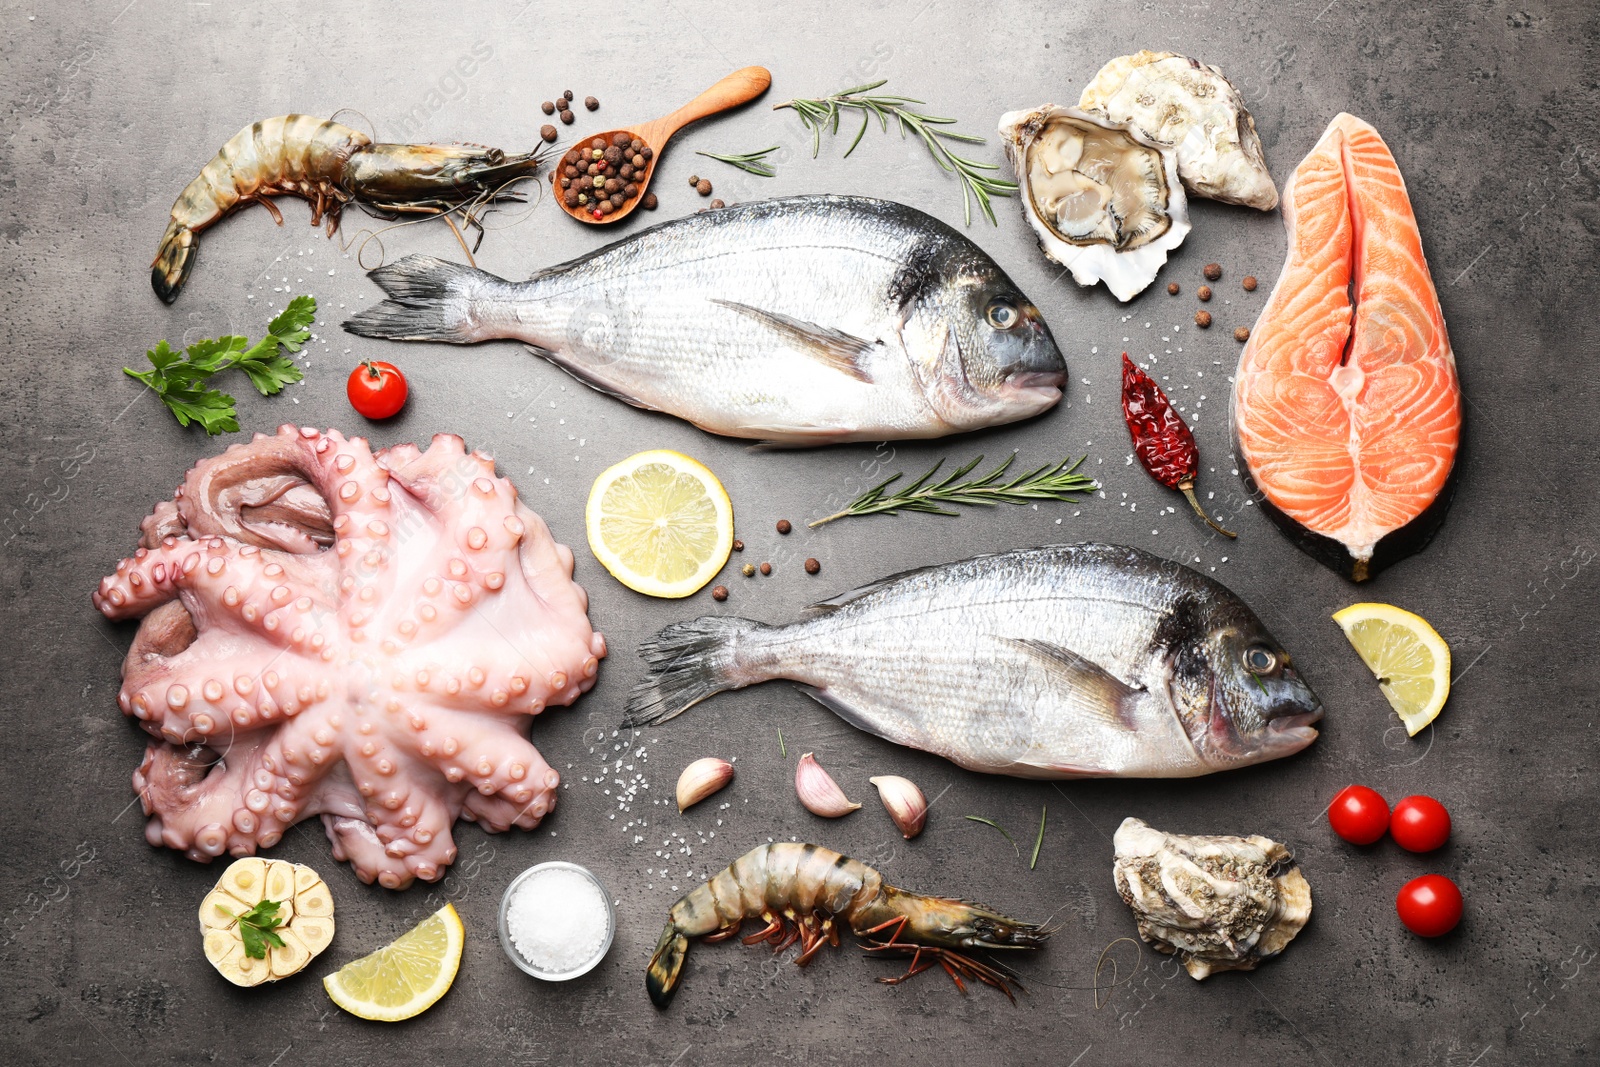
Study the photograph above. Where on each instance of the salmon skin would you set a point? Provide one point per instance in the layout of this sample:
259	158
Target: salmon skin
1346	404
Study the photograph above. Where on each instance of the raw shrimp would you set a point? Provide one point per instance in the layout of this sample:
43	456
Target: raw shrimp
330	165
800	891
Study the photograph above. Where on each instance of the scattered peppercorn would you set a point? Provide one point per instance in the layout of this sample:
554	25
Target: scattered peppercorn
567	117
738	545
1202	319
694	179
593	105
813	567
548	108
718	203
1172	289
748	569
721	591
649	202
1213	271
766	568
783	526
703	187
1241	334
547	132
567	95
1204	292
1249	283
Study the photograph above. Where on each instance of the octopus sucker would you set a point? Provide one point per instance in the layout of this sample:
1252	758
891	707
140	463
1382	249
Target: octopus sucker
247	584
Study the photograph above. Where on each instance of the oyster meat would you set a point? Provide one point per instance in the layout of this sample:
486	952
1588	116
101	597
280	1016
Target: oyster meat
1219	903
1105	201
1186	105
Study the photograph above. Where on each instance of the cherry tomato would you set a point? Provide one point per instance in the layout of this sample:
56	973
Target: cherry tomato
1420	824
1430	906
377	389
1359	815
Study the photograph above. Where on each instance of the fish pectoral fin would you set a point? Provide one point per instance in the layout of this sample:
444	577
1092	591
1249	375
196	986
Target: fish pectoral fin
1090	688
844	352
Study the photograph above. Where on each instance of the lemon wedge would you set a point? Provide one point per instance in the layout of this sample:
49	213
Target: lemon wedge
1409	658
660	522
405	977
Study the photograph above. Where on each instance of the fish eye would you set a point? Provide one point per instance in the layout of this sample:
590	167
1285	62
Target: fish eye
1002	314
1259	659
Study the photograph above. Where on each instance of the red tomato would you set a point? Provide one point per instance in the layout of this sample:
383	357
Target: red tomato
1420	824
1430	906
1359	815
377	389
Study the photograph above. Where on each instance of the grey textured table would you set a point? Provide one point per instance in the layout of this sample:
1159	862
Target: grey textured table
111	107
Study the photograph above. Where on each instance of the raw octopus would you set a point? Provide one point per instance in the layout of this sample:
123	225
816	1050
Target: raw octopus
362	636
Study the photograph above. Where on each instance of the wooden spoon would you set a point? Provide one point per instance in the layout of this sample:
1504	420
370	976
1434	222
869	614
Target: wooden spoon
740	87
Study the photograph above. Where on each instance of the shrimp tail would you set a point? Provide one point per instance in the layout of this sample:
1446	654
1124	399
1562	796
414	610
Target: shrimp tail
429	300
661	976
174	259
688	661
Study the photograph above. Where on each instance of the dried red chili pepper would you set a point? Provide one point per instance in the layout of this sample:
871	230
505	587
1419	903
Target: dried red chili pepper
1161	439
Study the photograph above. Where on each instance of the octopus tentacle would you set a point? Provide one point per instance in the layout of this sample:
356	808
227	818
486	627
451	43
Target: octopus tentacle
361	636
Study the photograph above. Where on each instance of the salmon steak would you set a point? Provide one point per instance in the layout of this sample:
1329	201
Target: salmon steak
1346	403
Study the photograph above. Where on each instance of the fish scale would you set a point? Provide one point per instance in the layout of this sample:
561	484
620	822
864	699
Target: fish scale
804	320
1056	662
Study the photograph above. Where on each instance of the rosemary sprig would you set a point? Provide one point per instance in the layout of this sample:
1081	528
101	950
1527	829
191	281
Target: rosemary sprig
997	826
976	183
1050	482
1043	810
753	162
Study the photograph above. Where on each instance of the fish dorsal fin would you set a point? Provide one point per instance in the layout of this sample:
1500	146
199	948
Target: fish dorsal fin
834	603
844	352
1090	688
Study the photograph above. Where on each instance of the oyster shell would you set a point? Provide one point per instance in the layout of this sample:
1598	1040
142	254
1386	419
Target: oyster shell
1220	903
1184	104
1106	203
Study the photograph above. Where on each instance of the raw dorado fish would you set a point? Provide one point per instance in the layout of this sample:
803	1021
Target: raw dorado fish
1065	661
1346	403
801	321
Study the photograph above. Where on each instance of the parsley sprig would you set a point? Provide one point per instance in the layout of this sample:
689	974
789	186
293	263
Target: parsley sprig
180	378
258	926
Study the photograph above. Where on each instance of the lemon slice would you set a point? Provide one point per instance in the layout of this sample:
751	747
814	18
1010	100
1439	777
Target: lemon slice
406	976
1409	658
660	522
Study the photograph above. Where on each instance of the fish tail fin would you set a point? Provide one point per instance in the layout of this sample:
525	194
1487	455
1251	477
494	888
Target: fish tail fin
429	300
688	662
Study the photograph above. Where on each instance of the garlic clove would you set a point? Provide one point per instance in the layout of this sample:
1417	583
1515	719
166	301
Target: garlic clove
702	778
904	801
818	791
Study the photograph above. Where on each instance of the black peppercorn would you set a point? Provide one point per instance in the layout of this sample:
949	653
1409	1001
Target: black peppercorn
613	155
1213	271
547	132
738	545
650	201
703	187
630	190
567	118
591	103
548	108
567	95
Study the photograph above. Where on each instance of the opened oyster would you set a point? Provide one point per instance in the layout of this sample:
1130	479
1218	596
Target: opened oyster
1105	201
1220	903
1182	103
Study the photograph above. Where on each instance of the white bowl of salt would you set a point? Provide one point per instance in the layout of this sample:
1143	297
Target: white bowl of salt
556	921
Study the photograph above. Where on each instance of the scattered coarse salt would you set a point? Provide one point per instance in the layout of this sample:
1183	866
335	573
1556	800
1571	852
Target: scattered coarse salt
557	920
